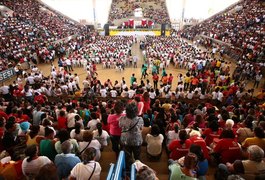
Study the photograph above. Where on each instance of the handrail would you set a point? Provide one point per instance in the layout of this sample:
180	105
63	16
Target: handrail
111	172
133	172
120	166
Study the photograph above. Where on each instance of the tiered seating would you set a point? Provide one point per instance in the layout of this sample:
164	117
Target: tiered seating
153	9
32	27
243	27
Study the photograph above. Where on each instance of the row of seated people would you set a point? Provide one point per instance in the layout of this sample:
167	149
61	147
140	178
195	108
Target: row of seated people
66	130
242	27
152	9
30	29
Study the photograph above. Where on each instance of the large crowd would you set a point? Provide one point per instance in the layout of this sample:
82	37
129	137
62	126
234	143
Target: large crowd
56	127
242	27
31	31
154	10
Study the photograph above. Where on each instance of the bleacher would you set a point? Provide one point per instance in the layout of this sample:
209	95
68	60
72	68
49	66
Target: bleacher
241	25
154	10
31	28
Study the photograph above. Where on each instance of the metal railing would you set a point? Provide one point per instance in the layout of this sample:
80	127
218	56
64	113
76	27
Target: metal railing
133	172
111	172
120	167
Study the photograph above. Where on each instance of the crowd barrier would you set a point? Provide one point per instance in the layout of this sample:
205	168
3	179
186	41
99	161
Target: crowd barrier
118	171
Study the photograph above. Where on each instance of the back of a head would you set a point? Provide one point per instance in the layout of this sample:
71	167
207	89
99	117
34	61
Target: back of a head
255	153
183	135
48	171
66	147
87	136
89	154
259	132
131	110
48	131
63	135
190	161
146	173
30	152
196	149
155	131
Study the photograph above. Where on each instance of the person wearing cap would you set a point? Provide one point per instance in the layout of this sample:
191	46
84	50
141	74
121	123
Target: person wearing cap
24	128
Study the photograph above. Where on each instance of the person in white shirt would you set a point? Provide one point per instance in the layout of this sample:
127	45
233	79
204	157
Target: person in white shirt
220	96
89	168
71	119
4	90
173	134
103	91
30	79
101	135
32	164
131	93
88	141
76	79
113	93
154	142
86	83
92	124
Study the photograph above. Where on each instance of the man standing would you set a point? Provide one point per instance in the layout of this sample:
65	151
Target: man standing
135	59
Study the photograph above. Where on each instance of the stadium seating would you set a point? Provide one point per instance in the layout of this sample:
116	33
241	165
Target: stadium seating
242	26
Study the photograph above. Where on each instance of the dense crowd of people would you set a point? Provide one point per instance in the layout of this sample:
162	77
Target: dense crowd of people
31	31
56	127
155	10
242	26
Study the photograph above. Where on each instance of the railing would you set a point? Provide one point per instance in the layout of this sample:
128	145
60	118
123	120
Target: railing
133	172
111	172
120	167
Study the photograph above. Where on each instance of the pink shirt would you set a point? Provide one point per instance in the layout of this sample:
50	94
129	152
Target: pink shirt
113	121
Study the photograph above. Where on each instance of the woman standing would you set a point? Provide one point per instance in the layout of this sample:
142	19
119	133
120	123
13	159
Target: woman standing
115	130
131	136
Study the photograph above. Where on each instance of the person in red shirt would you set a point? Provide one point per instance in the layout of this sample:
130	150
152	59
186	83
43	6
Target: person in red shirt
155	80
21	117
179	148
62	120
146	100
195	138
211	132
227	148
170	79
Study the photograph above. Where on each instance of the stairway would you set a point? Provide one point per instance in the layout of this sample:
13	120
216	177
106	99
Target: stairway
161	167
108	157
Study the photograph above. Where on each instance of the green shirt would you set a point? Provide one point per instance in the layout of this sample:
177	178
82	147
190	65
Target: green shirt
47	149
176	173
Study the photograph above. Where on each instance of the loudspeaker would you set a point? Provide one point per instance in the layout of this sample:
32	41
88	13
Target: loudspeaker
163	29
106	28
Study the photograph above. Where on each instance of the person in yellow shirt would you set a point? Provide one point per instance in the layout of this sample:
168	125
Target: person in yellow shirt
258	139
187	81
218	64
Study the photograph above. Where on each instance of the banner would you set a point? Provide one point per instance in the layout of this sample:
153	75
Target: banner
131	23
144	22
6	74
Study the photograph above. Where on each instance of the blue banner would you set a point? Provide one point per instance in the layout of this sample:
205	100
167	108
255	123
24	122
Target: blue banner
6	74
